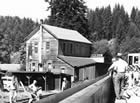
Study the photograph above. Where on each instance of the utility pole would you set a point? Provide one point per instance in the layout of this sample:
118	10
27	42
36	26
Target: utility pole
40	41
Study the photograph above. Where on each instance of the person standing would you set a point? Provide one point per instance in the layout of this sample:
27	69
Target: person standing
119	68
13	89
64	84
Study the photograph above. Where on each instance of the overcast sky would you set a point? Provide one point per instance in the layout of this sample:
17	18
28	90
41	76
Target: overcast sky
36	9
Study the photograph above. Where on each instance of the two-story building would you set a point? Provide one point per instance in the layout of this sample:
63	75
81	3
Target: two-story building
59	51
47	44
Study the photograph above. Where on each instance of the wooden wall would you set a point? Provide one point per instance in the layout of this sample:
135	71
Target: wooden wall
87	72
71	48
92	71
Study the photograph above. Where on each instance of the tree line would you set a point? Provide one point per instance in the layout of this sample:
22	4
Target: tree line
108	25
13	30
111	30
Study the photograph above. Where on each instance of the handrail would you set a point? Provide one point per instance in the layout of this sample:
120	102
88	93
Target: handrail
60	96
99	92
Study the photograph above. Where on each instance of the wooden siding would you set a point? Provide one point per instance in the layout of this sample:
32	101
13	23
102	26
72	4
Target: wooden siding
52	52
57	82
71	48
87	72
49	49
92	71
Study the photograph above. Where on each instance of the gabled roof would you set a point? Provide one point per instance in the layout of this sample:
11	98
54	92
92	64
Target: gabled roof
62	33
32	33
77	61
66	34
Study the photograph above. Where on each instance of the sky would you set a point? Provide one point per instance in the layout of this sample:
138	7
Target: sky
37	9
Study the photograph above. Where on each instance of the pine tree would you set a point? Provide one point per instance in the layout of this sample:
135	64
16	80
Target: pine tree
69	14
137	19
4	49
107	20
133	14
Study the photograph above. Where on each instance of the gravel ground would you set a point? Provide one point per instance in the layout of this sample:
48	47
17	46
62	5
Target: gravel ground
22	96
4	96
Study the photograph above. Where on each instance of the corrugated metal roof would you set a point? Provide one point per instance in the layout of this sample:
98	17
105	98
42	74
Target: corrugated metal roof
77	61
66	34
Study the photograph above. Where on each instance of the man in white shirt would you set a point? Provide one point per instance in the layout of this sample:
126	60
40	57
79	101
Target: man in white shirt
119	66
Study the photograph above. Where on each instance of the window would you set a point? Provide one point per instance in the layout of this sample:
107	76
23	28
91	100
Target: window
36	47
135	59
64	47
71	46
47	45
33	64
36	43
130	58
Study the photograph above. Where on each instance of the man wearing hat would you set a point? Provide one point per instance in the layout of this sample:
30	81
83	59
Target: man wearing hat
119	66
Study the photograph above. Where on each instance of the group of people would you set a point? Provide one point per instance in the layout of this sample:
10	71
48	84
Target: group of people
33	89
13	86
123	77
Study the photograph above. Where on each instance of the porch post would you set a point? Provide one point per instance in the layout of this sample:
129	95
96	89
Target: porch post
44	77
28	77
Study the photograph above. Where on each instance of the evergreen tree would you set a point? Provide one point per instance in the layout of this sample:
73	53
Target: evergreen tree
133	31
91	20
107	21
69	14
133	14
4	49
131	45
16	29
98	23
137	19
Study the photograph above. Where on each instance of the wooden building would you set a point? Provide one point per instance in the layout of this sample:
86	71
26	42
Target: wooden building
86	68
59	51
46	43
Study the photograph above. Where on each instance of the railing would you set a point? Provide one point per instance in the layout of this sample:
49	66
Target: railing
99	92
95	91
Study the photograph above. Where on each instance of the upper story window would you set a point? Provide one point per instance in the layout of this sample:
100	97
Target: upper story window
47	45
36	47
71	46
64	47
30	49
